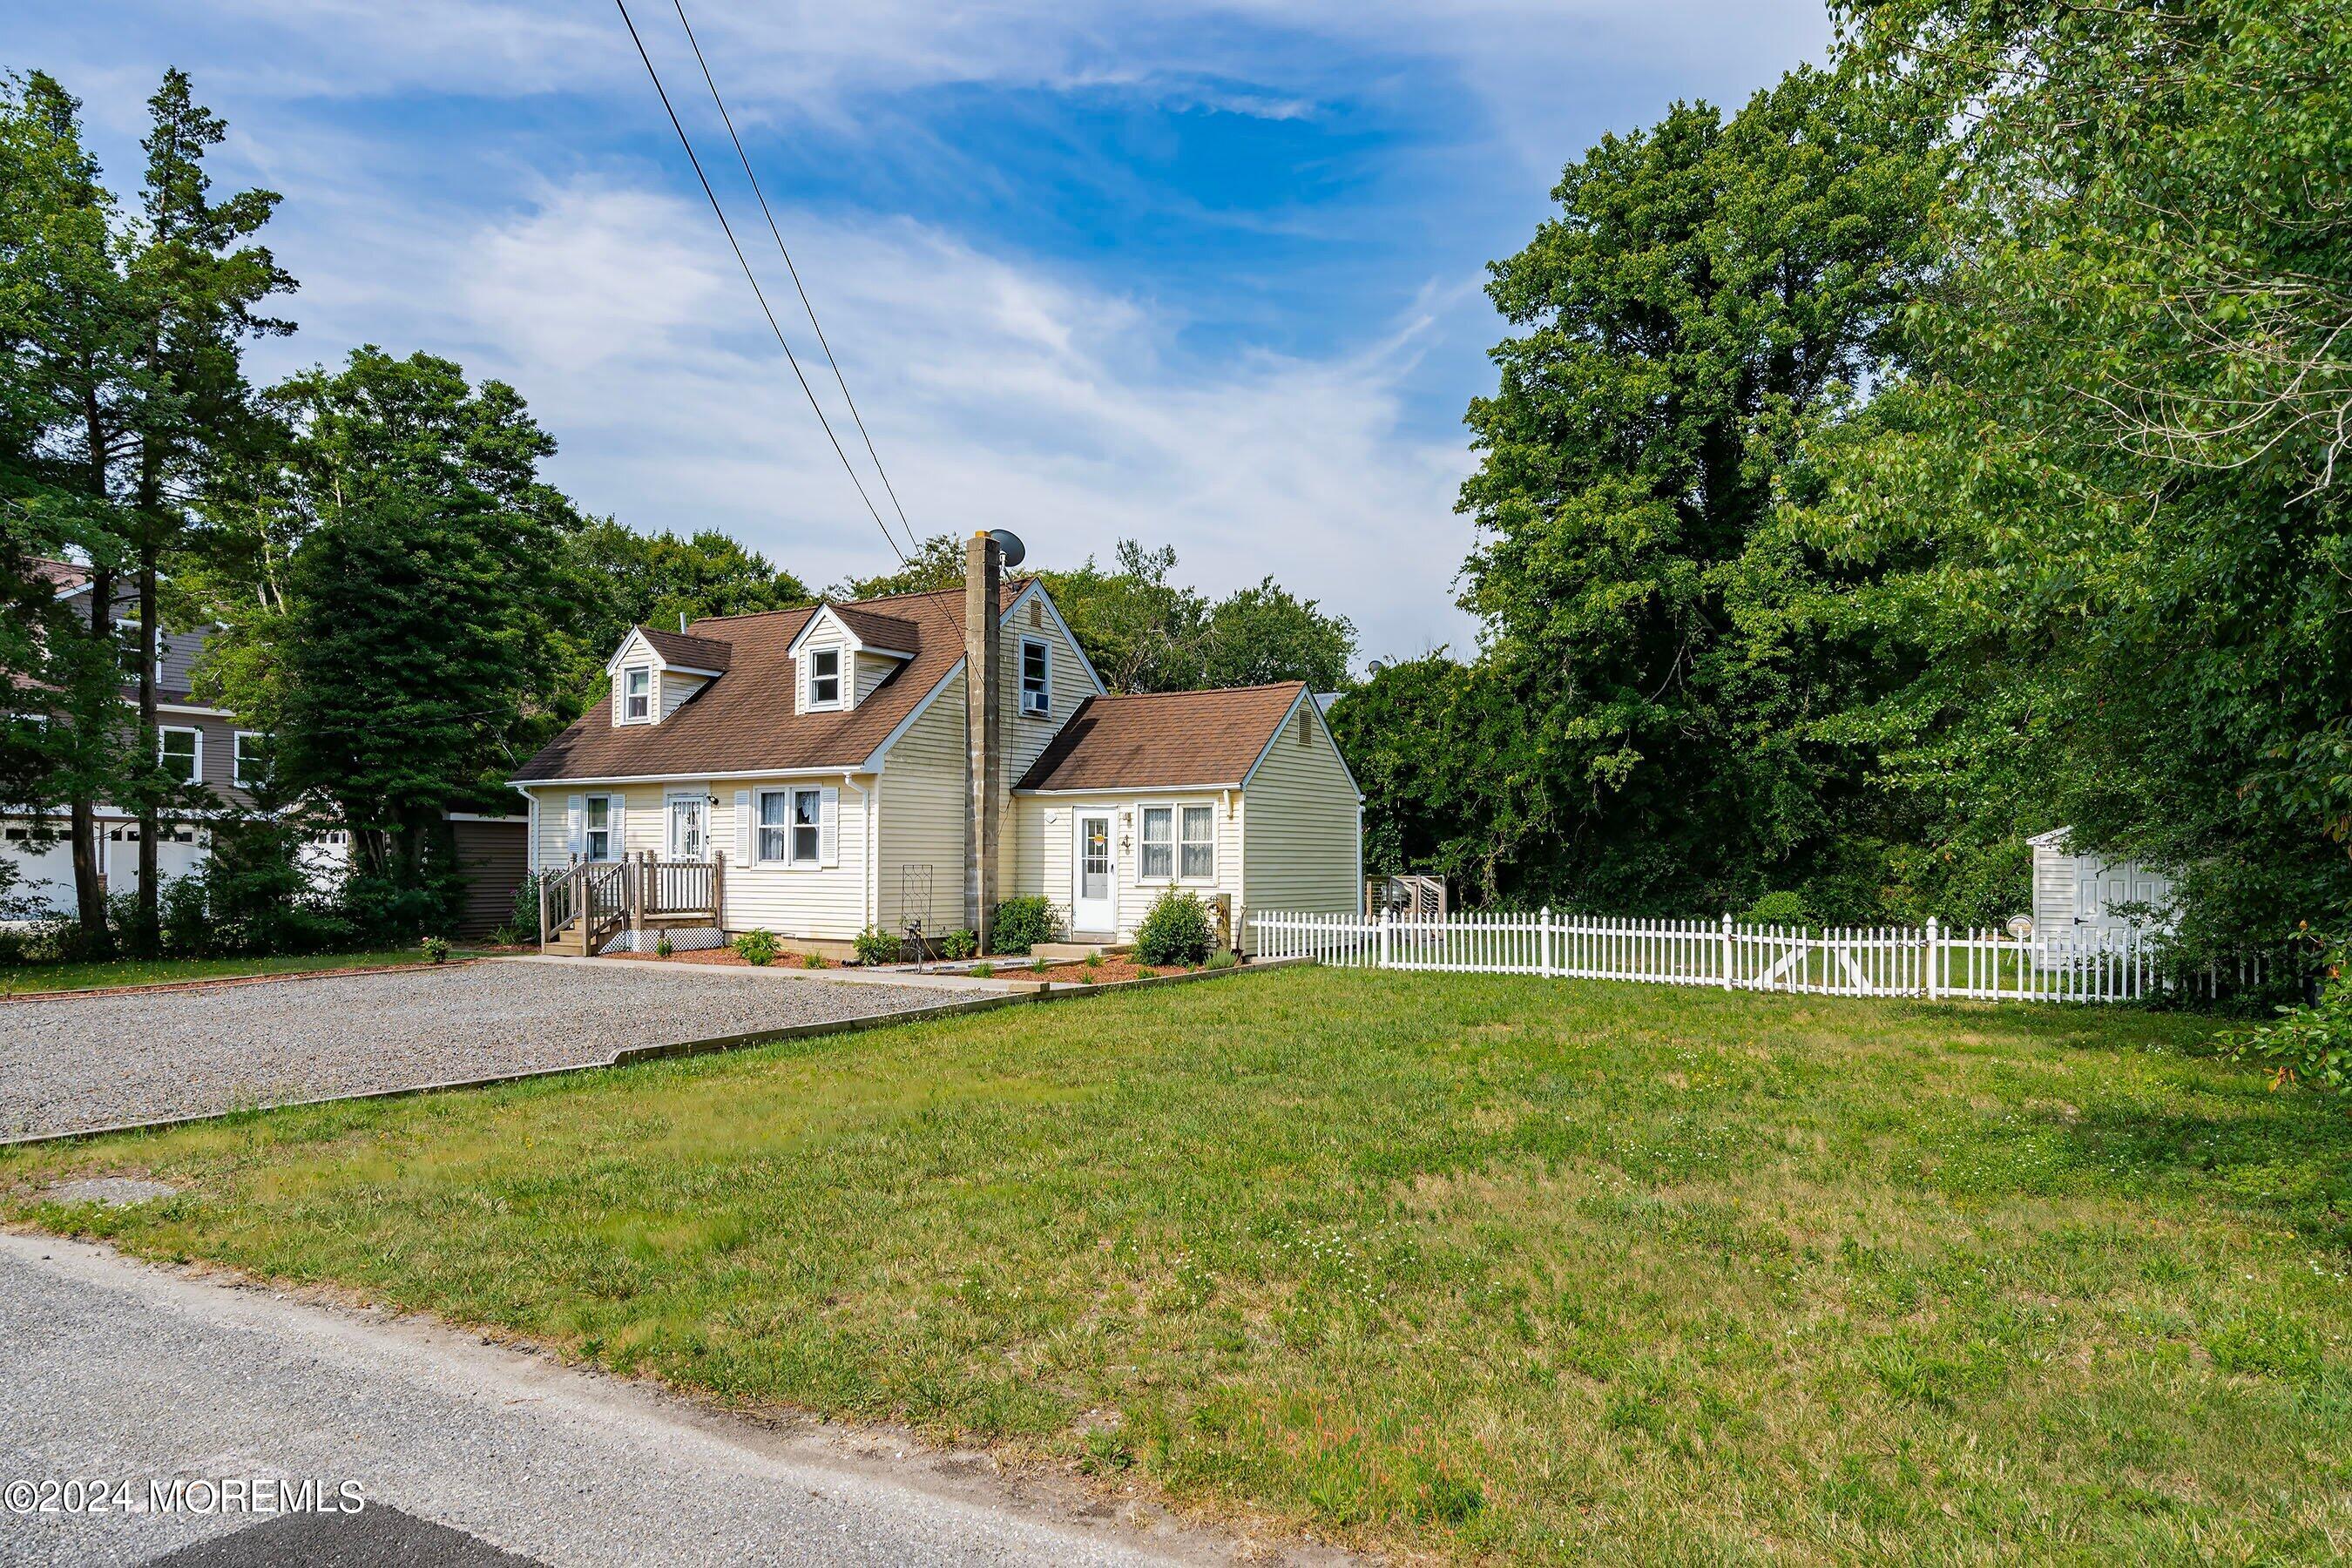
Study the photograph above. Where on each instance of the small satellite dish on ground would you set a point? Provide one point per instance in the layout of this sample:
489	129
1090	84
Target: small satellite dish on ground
1009	545
2021	926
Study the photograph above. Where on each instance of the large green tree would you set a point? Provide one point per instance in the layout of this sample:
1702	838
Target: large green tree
2107	505
415	643
196	284
1710	292
614	578
72	397
1144	631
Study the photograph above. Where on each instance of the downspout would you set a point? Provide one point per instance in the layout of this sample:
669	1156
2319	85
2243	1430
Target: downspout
867	883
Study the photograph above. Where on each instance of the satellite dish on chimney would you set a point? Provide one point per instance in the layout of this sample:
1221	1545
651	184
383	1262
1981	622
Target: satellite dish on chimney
1009	545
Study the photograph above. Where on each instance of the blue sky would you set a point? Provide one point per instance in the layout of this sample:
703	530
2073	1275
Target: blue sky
1206	275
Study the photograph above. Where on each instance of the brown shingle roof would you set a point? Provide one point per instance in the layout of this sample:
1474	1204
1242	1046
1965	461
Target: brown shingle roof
894	633
61	576
743	723
687	650
1174	740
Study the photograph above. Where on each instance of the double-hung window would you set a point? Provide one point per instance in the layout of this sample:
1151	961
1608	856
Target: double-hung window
599	836
792	824
1158	852
1198	850
1037	678
636	695
250	759
180	754
825	677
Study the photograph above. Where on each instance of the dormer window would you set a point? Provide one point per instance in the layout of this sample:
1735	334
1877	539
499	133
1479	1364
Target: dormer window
825	677
636	695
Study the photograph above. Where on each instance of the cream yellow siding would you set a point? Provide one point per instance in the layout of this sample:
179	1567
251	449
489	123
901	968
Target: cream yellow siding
1302	851
1027	737
1048	851
872	670
830	903
922	827
673	687
827	903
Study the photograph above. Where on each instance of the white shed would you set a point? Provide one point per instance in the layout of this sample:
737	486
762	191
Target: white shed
2083	893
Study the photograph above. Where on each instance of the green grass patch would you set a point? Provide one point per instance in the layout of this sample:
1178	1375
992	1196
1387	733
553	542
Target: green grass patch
1473	1265
25	978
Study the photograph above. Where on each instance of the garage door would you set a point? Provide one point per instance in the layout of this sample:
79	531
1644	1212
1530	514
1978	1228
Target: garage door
44	883
177	853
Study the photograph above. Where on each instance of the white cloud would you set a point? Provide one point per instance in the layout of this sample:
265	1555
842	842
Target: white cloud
999	393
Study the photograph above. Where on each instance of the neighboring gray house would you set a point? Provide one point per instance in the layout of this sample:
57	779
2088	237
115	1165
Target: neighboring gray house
208	746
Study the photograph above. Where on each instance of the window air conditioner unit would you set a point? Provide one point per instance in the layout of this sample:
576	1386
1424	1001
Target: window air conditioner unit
1035	702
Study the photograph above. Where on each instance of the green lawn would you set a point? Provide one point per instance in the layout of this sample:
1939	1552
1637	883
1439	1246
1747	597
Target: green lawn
1482	1266
16	979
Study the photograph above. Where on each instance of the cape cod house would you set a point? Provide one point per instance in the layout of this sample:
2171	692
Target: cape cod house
907	763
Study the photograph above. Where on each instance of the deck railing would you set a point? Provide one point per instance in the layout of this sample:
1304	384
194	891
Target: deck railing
612	894
1882	961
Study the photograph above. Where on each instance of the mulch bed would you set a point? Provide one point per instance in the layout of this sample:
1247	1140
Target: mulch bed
1106	972
725	957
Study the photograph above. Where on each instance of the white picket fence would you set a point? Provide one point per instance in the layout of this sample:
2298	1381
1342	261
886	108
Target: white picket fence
1877	960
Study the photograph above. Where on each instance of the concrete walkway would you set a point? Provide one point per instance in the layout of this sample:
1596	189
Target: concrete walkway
464	1451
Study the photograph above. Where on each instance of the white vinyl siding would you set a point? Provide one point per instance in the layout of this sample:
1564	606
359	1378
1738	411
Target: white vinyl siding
1301	853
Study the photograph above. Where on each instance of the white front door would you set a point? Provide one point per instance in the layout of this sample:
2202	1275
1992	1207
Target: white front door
1094	895
688	839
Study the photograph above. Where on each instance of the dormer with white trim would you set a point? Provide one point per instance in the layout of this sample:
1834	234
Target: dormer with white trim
655	674
843	654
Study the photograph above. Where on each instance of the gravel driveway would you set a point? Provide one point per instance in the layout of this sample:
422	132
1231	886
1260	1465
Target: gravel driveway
97	1062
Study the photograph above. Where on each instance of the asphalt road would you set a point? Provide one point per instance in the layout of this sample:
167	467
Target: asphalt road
464	1453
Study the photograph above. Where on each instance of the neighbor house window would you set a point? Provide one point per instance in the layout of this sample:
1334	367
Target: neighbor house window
1199	842
1158	853
789	825
181	752
1037	678
600	829
251	759
636	695
825	677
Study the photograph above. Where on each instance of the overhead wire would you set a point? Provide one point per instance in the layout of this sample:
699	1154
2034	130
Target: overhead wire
750	277
777	235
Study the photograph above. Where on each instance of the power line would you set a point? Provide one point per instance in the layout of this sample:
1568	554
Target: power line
729	121
750	277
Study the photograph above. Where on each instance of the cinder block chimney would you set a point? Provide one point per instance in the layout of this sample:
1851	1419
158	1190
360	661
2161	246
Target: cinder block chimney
983	569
